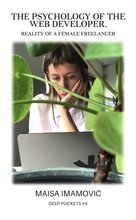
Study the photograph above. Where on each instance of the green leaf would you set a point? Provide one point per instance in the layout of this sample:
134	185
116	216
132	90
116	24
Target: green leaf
22	87
108	131
97	88
119	163
38	49
103	50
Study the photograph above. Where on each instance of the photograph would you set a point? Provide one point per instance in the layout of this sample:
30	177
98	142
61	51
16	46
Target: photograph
68	112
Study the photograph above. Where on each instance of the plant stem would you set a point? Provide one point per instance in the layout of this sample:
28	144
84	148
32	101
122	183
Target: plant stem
104	97
66	104
120	73
94	72
71	93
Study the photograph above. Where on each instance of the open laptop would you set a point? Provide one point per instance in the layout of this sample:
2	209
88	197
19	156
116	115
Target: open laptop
55	150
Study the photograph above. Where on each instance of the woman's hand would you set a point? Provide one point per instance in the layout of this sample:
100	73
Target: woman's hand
78	88
66	118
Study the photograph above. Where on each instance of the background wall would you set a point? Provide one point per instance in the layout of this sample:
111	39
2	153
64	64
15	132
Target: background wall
106	67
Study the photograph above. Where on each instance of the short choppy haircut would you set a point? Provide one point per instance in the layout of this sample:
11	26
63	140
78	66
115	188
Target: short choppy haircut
64	53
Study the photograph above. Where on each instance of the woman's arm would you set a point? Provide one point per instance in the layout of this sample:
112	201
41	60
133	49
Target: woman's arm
66	118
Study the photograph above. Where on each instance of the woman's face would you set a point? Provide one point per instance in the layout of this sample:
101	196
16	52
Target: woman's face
65	75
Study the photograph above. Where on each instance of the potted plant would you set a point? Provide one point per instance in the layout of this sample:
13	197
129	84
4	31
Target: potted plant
105	120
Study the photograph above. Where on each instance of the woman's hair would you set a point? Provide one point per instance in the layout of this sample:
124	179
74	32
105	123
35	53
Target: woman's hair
65	53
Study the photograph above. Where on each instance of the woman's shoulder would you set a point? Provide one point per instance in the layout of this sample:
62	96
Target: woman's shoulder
40	106
41	97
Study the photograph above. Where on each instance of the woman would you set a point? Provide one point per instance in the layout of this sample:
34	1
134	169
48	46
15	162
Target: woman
66	68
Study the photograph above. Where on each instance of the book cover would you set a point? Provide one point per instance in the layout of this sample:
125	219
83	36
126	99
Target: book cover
97	24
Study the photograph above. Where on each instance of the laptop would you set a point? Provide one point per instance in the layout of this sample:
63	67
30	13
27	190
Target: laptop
57	150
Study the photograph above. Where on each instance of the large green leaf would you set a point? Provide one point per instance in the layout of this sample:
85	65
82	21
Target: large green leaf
22	87
97	88
40	48
108	131
103	50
